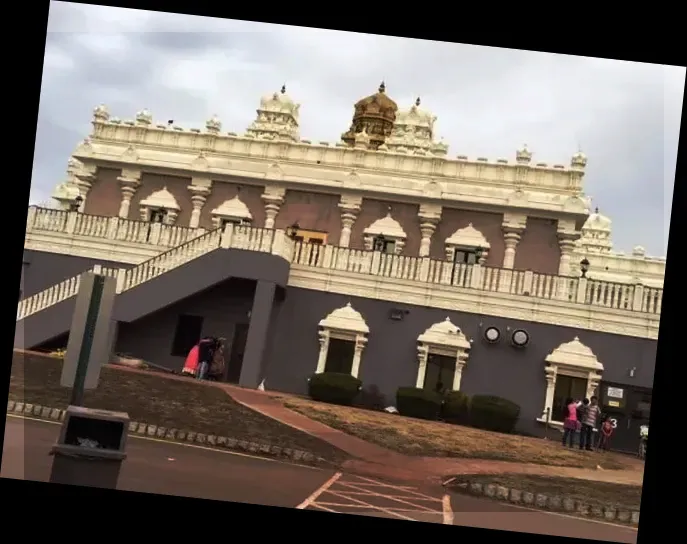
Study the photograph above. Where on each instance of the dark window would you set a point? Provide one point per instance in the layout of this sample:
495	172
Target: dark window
439	373
340	356
158	215
383	245
235	222
187	334
566	388
465	257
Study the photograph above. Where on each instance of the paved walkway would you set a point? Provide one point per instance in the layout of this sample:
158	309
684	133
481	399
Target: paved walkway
376	461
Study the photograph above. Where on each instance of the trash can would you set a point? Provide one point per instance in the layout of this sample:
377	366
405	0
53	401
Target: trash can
90	448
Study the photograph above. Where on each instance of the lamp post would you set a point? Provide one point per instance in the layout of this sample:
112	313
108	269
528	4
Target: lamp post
292	230
478	254
584	267
76	204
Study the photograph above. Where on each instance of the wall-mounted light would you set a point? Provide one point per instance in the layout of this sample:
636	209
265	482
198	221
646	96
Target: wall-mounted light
492	335
632	372
520	338
397	314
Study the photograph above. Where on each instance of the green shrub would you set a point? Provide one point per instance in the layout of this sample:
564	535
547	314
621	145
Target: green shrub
419	403
334	388
493	413
456	408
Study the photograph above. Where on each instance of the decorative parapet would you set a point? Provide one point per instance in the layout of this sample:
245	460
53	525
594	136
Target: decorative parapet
499	182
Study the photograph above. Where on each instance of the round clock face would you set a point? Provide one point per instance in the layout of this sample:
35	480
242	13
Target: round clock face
492	334
520	338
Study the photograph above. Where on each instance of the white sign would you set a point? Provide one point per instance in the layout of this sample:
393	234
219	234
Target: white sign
615	392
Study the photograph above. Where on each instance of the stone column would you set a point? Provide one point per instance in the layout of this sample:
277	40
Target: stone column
360	342
323	337
258	331
273	197
129	181
199	189
513	226
550	389
350	208
567	246
461	359
84	178
422	354
429	215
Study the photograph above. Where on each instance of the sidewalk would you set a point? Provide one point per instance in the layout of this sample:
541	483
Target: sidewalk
376	461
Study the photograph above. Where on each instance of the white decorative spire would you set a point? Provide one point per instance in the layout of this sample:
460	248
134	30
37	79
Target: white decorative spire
277	118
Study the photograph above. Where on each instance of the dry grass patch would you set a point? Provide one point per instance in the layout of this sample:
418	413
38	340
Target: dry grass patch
161	401
435	439
594	493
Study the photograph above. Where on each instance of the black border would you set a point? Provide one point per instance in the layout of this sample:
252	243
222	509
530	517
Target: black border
622	34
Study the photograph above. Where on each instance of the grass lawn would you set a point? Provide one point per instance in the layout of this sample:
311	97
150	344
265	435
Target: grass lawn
435	439
159	400
622	496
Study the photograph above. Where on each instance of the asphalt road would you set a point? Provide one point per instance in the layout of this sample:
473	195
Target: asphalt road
183	470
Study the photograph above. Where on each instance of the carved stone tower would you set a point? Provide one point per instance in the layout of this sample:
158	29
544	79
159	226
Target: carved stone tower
374	115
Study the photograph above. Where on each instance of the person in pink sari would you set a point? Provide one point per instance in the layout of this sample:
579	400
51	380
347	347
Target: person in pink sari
570	424
191	363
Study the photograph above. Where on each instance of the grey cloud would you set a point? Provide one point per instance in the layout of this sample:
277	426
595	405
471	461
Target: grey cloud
626	116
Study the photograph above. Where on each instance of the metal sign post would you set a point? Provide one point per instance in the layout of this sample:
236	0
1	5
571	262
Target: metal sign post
89	346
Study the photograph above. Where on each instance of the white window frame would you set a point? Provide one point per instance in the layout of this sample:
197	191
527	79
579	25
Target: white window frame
575	360
445	339
344	323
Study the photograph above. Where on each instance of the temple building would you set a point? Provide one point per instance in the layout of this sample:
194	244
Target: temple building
380	255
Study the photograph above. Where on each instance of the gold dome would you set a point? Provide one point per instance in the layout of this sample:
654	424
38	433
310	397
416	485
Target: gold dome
375	115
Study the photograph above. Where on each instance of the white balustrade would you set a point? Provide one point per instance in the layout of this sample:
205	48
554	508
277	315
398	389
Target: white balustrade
187	244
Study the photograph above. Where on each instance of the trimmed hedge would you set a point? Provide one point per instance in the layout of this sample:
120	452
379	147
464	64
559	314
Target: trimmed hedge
456	408
334	388
419	403
493	413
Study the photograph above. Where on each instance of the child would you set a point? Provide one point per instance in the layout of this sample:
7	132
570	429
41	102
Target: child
605	435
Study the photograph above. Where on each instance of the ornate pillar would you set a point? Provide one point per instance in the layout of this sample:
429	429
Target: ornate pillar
513	226
323	337
429	216
84	176
360	342
550	389
200	189
350	208
592	384
567	246
461	359
129	182
422	353
273	197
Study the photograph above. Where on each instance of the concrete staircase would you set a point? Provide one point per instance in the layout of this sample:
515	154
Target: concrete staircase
47	314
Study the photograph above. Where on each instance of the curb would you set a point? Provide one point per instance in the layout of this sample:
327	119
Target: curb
541	501
179	436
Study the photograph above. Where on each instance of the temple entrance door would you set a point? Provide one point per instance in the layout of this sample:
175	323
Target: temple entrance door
238	347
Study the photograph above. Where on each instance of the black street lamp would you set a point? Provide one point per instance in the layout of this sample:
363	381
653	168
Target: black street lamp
292	230
584	267
478	254
76	204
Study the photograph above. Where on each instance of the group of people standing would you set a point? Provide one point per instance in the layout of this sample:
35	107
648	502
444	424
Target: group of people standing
583	417
205	361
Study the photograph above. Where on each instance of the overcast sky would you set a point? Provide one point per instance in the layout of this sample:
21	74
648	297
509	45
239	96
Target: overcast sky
625	116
